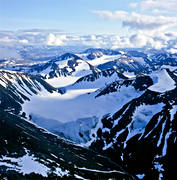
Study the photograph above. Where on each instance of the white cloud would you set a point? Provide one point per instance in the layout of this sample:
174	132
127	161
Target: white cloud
165	4
158	11
150	23
111	15
7	39
93	37
56	40
51	39
24	41
172	50
139	21
156	6
133	4
139	39
12	40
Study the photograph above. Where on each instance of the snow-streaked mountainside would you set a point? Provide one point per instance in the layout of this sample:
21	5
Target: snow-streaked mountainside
122	104
142	134
17	88
29	152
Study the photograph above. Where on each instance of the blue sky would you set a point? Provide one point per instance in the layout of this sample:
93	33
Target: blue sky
88	16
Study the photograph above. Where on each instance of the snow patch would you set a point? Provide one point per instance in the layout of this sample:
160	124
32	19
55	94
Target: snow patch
171	68
164	82
58	171
158	166
26	165
100	171
173	111
141	117
103	59
164	150
129	74
140	176
78	177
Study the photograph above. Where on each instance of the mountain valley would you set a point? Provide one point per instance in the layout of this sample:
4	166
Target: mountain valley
99	113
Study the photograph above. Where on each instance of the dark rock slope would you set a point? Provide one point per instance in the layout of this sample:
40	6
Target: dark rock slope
16	87
142	134
19	138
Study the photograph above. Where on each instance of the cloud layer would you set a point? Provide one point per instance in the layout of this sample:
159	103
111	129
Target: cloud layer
138	21
159	40
158	4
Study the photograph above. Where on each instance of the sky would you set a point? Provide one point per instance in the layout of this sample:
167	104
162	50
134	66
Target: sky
90	16
91	23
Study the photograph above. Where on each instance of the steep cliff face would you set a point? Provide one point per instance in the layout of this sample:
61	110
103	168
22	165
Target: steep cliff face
142	134
16	88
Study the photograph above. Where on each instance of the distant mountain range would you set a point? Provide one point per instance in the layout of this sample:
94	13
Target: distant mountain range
134	61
